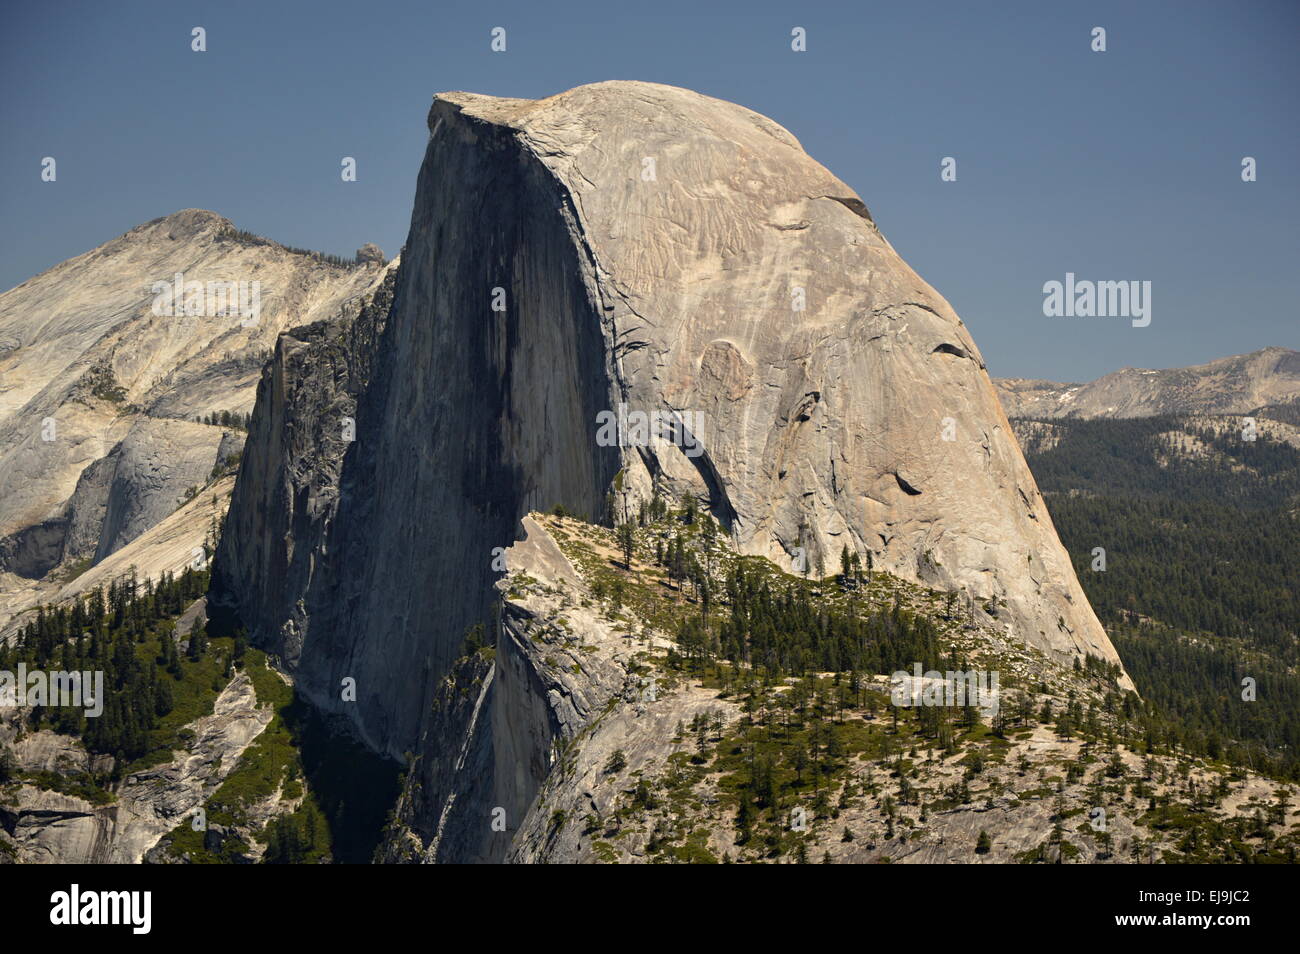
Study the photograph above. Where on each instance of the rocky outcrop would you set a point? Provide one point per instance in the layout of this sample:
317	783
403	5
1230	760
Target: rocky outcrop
576	739
370	252
440	814
1236	385
533	720
48	827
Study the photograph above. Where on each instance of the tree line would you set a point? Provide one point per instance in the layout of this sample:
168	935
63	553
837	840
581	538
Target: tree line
127	631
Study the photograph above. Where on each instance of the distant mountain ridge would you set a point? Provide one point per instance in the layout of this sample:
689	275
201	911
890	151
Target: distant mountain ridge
1234	385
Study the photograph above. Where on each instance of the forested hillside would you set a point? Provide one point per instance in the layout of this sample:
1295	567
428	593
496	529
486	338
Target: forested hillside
1201	581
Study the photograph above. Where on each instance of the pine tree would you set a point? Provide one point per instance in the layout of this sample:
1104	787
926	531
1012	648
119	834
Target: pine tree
626	542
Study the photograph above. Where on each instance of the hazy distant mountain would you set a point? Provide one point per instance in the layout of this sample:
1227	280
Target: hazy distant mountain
1235	385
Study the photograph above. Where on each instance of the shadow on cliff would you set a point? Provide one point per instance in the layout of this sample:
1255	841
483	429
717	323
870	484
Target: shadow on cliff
354	788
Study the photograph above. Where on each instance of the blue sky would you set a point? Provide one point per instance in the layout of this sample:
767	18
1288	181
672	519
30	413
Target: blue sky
1123	165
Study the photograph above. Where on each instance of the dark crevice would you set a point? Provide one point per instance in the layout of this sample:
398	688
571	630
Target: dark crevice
854	205
804	411
951	349
906	487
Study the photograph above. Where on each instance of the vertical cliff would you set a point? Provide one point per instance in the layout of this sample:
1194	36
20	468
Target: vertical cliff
284	503
474	416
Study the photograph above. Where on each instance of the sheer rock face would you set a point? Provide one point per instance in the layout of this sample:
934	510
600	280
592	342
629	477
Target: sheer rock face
275	534
649	247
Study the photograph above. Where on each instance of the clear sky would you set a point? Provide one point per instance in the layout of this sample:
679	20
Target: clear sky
1122	165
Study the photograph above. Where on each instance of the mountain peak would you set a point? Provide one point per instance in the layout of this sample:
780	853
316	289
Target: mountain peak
186	223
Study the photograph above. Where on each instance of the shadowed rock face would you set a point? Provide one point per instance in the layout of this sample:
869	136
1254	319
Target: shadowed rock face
470	418
287	494
672	286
